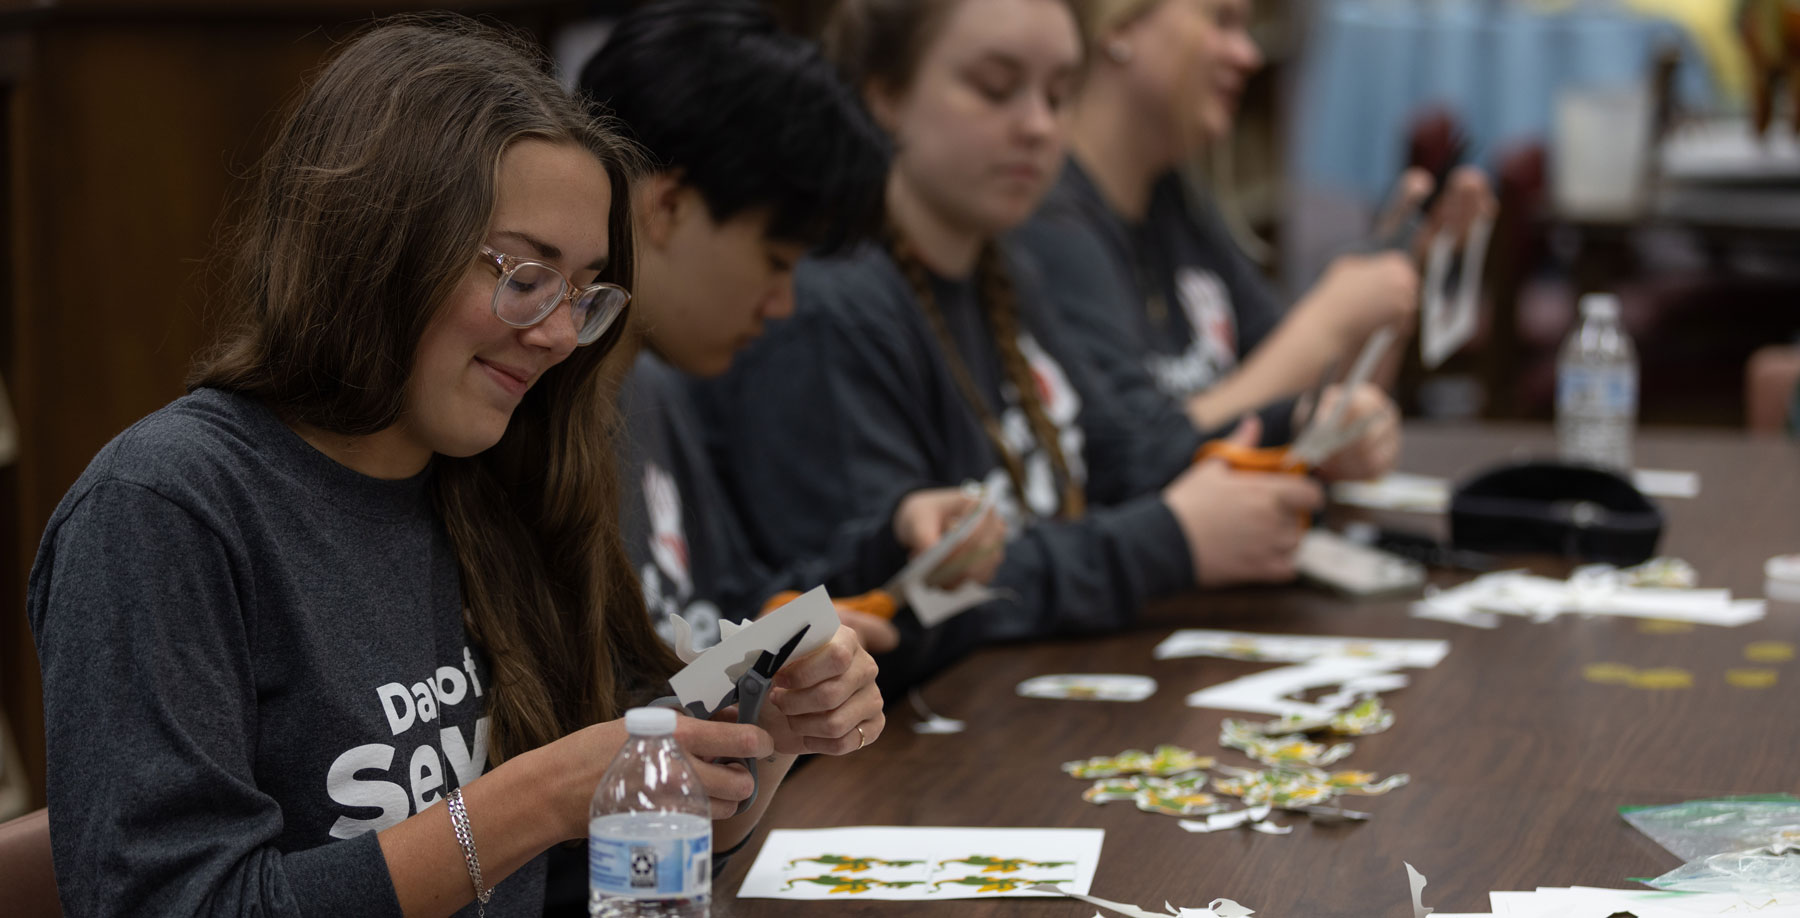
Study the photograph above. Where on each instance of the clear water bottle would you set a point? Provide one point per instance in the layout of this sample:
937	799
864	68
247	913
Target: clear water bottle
1597	388
649	828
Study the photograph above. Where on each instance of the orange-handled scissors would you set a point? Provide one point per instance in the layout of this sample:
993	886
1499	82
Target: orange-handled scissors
879	603
1324	435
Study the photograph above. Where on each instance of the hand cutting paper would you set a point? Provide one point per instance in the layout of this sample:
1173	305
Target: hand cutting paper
739	669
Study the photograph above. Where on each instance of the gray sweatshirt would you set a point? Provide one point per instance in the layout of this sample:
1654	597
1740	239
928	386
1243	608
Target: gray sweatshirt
253	660
683	534
849	405
1164	308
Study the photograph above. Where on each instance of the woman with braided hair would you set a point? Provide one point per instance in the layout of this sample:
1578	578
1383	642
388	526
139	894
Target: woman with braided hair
932	358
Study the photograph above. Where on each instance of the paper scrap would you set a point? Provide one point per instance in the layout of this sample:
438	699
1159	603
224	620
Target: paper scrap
930	722
1620	674
1293	749
1292	788
1300	648
1256	817
1089	687
920	864
1666	482
1182	795
1751	678
1164	761
1769	652
1416	880
1363	718
1218	908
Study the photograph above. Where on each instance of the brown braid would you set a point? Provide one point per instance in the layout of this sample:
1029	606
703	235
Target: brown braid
994	287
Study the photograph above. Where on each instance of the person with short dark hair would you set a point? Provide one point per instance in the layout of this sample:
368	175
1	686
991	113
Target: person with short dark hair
760	155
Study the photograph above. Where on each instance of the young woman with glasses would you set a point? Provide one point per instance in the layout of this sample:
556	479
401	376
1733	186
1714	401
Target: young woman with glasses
369	563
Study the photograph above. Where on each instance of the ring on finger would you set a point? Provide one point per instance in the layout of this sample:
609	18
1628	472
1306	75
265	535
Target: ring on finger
862	738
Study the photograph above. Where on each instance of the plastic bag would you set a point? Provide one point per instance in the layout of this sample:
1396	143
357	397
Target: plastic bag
1730	843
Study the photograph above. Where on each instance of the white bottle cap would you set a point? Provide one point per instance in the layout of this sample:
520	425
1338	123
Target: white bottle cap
650	721
1600	306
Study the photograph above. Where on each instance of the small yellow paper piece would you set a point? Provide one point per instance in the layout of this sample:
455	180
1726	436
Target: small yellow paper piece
1750	678
1664	626
1769	652
1609	673
1666	678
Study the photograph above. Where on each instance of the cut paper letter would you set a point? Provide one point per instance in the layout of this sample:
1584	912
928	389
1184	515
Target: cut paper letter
1268	692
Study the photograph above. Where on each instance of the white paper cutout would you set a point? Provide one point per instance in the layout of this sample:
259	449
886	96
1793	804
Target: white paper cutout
1593	590
1267	692
1256	817
712	674
1300	648
1416	880
1446	324
933	606
1219	908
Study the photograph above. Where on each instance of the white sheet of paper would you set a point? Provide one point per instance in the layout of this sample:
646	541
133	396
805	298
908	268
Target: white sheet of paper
1667	482
1396	491
1300	648
781	870
1268	692
712	674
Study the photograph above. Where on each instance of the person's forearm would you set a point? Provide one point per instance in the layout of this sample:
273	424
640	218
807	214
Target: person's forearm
514	815
769	774
1289	361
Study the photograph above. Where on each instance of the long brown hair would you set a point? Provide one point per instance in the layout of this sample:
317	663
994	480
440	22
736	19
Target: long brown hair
367	210
877	44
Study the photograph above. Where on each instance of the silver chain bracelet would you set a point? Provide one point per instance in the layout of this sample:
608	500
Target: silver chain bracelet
459	821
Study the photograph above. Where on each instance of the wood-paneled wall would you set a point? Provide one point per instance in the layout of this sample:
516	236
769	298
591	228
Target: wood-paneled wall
126	125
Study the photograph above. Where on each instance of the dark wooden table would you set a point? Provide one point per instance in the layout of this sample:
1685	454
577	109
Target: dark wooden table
1518	765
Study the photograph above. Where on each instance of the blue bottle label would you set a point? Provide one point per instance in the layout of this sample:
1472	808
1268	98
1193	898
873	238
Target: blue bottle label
651	868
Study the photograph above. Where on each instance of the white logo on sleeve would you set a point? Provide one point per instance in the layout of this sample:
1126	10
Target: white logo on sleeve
1206	304
1062	404
669	577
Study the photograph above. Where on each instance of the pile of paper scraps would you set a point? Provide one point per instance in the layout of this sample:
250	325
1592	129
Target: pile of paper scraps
1663	589
1173	781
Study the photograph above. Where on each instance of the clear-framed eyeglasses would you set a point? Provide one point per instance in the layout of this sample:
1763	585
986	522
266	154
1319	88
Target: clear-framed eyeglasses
529	291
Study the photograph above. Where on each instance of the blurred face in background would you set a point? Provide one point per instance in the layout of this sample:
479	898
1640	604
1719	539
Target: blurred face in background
979	132
1185	63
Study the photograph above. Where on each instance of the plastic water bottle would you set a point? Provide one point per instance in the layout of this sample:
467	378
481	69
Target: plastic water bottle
649	828
1597	388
